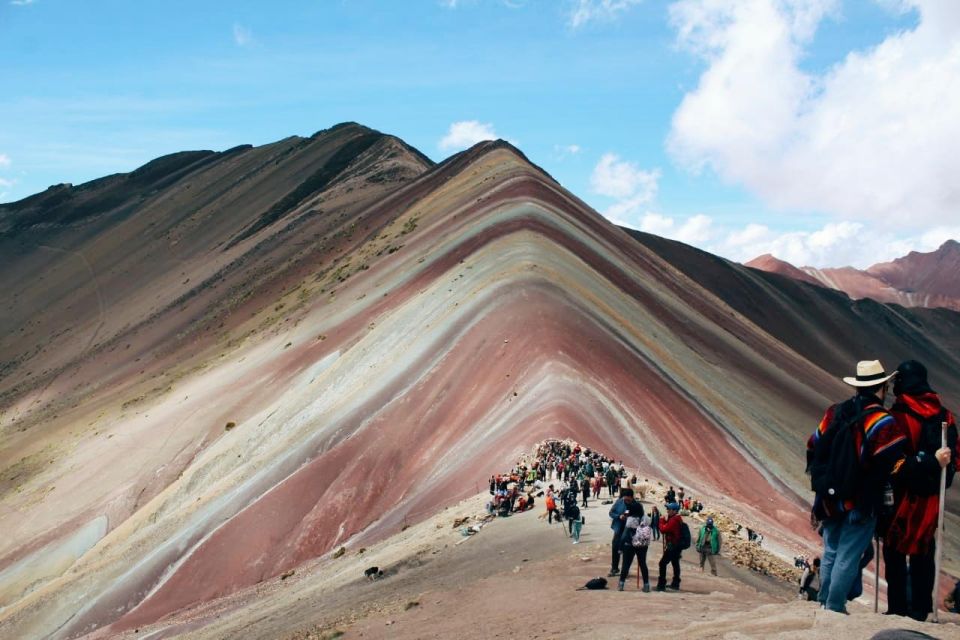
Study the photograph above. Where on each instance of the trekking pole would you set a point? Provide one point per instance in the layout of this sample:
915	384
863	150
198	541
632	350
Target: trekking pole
876	577
943	490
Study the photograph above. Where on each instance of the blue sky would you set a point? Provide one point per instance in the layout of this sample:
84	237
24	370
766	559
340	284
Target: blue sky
737	128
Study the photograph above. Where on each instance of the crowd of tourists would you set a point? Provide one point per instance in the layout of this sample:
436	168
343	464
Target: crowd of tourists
568	475
880	473
876	473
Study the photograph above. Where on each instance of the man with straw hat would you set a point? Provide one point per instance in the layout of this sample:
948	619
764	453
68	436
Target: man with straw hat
849	458
916	483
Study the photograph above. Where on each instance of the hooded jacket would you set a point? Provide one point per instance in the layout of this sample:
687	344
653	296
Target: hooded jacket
917	474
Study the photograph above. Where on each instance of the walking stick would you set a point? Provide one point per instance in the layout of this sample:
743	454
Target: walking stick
943	490
876	578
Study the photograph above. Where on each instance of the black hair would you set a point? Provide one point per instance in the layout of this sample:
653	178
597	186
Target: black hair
911	378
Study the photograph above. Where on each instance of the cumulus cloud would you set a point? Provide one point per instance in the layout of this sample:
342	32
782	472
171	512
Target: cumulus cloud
466	133
242	35
621	179
631	187
872	138
4	160
584	11
834	244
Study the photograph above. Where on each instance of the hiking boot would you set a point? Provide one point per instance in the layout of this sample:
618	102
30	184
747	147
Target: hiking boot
613	572
674	585
620	586
646	587
661	587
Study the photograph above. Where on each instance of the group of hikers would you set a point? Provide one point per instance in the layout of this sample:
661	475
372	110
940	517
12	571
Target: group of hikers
877	472
634	531
567	474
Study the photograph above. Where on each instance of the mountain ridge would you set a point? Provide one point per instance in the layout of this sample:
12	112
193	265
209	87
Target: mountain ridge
916	280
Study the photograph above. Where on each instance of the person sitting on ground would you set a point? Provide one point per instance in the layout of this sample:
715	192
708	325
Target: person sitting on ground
634	514
810	581
708	544
618	517
670	527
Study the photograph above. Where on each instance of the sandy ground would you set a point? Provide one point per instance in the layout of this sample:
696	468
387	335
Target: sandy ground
516	577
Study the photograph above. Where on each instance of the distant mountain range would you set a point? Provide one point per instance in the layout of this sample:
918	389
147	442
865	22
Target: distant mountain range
915	280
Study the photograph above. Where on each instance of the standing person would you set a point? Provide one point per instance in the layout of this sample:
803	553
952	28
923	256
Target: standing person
671	495
627	550
708	544
611	479
618	517
655	522
585	489
576	523
850	457
916	483
551	503
670	528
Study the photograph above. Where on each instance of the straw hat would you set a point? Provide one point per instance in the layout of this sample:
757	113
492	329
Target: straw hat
869	374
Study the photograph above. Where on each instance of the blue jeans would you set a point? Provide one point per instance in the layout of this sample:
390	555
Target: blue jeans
844	542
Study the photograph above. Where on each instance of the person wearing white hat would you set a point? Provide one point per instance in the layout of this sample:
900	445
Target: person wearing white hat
850	457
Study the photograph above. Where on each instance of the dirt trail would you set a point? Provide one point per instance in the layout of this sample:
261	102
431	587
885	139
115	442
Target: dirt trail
516	577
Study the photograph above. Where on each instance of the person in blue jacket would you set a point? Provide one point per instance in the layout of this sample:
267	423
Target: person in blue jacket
618	516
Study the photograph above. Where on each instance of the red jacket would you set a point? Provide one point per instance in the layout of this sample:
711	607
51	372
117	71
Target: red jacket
914	522
670	528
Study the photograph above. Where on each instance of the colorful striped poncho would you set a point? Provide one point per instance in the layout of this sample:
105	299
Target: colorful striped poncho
915	517
879	442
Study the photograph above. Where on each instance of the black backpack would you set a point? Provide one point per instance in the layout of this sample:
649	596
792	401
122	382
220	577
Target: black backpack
596	583
835	462
930	433
685	538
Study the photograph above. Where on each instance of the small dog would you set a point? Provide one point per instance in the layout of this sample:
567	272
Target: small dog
373	573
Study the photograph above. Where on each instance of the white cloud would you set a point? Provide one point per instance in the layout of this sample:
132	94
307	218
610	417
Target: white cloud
631	187
466	133
620	179
562	151
6	183
872	138
4	160
242	35
21	3
584	11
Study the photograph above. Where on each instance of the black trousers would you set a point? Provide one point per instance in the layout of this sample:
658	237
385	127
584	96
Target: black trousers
615	547
921	575
629	551
670	557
